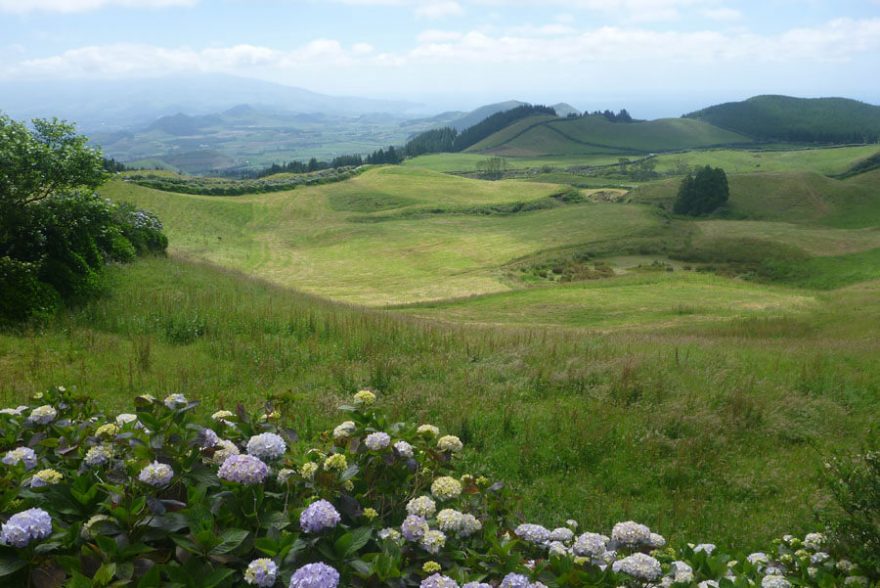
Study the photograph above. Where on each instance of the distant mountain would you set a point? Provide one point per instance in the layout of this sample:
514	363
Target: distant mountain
182	125
117	104
563	109
482	113
783	118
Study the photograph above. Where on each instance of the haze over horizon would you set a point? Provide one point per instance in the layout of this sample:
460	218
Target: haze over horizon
656	57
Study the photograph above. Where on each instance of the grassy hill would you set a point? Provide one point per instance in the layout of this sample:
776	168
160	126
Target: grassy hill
591	134
711	428
783	118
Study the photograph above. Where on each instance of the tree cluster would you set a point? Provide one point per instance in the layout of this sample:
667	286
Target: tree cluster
703	192
56	234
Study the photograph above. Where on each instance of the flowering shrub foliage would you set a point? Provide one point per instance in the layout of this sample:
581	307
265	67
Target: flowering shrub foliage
164	497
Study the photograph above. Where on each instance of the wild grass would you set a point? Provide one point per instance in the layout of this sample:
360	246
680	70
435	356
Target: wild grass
709	429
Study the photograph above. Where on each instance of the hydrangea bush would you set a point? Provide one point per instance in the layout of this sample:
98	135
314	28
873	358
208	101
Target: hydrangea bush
165	497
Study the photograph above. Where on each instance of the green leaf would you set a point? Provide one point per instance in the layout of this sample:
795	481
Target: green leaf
9	564
216	577
105	574
360	537
230	540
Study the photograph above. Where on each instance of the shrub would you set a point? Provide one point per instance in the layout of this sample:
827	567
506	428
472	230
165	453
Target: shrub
164	496
855	525
703	192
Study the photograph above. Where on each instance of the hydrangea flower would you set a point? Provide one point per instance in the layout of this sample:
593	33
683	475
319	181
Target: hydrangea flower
428	430
318	516
344	430
639	566
438	581
30	525
468	525
563	534
656	541
208	438
814	541
477	585
558	549
774	581
156	474
433	541
515	581
43	415
450	443
630	534
174	401
315	575
243	469
705	547
389	534
223	416
403	449
337	462
590	545
422	506
14	411
449	520
261	572
284	475
107	430
377	441
125	419
532	533
446	488
308	470
226	450
47	477
266	446
98	455
414	527
431	566
758	558
364	398
21	455
681	572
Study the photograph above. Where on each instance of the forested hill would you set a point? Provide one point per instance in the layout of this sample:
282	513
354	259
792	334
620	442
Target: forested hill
783	118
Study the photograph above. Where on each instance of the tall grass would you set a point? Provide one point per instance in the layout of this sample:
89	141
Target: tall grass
703	431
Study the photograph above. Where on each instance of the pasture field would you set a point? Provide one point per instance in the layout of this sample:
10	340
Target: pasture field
467	162
706	429
738	161
700	404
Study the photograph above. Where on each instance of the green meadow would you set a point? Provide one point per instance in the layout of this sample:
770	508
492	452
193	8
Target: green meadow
696	385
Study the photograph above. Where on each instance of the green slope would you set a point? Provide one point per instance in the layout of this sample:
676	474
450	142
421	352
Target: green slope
535	137
783	118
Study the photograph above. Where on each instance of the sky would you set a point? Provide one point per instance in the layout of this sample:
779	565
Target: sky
651	54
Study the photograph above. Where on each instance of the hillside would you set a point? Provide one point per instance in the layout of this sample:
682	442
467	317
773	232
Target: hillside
783	118
591	134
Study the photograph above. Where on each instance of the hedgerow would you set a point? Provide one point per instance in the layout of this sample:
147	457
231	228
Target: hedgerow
166	497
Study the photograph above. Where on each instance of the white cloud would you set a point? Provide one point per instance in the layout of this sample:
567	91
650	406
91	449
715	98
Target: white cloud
440	9
67	6
722	14
552	48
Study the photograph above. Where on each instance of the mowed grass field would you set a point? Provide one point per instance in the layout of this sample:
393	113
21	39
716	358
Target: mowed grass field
705	429
339	241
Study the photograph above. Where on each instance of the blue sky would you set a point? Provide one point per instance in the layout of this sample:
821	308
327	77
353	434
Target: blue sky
463	52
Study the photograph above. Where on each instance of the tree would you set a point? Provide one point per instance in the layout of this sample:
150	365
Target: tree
702	193
55	232
493	167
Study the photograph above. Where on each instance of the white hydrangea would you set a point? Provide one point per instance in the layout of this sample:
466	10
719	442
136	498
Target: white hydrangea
705	547
389	534
450	443
377	441
43	415
563	534
428	430
681	572
422	506
656	541
433	541
174	401
758	559
266	446
344	430
814	541
590	545
631	534
557	549
449	520
125	419
639	566
226	449
98	455
774	581
533	533
446	488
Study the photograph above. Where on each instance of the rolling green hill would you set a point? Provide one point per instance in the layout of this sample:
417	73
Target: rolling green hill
783	118
538	136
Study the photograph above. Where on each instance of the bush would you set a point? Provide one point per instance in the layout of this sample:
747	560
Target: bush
855	525
24	296
702	193
164	496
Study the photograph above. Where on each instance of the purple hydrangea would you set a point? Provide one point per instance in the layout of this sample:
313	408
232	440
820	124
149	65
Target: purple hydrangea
533	533
156	474
33	524
477	585
43	415
438	581
23	455
377	441
266	446
315	575
515	581
413	528
318	516
261	572
209	439
244	469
